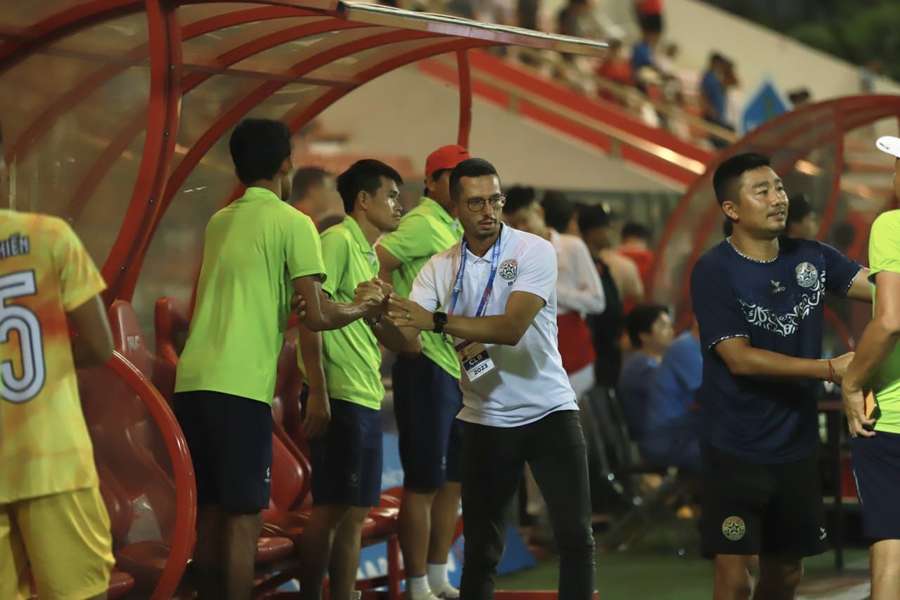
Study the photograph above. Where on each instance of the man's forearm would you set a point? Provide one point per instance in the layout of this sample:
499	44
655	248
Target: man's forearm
876	343
500	329
336	314
396	339
311	354
755	362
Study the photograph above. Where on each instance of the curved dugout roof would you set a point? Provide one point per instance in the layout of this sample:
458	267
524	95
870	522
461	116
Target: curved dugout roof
809	150
120	109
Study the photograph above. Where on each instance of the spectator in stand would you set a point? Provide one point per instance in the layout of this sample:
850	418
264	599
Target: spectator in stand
671	423
644	68
649	15
713	94
799	97
650	331
635	245
615	68
313	193
802	221
606	328
577	19
597	232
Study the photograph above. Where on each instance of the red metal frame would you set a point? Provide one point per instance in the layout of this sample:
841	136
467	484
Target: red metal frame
114	149
830	208
68	99
64	23
182	546
159	145
233	114
465	98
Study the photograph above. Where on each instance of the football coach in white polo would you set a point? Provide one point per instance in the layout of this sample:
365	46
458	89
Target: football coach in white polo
495	294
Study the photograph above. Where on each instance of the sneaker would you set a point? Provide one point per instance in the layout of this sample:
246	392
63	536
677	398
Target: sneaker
448	592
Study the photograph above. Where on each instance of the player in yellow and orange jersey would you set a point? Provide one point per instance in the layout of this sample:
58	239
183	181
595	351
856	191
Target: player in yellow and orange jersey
52	518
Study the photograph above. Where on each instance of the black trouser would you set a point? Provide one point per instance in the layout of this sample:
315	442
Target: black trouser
493	461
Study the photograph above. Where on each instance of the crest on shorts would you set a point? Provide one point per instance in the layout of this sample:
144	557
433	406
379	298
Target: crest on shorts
734	528
509	268
807	275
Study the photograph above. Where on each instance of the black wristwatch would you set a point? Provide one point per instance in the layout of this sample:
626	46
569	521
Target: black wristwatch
440	320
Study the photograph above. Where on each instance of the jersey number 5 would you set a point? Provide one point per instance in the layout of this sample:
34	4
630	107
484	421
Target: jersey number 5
25	323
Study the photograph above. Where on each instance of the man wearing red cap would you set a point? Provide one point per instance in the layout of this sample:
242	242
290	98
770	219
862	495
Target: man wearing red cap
426	391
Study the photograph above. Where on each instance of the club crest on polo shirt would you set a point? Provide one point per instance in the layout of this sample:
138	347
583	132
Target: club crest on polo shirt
734	529
807	275
509	269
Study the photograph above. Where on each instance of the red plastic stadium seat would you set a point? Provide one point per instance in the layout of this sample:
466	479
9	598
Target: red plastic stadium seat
120	583
129	339
172	319
146	477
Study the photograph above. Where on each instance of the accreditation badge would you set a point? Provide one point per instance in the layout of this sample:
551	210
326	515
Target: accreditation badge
475	360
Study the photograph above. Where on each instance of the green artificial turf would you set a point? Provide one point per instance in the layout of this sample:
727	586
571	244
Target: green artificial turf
653	569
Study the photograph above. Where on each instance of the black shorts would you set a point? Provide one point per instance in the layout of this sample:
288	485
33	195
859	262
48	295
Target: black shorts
230	439
426	402
347	460
876	466
772	509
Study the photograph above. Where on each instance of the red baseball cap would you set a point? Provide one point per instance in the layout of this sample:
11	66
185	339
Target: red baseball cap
445	157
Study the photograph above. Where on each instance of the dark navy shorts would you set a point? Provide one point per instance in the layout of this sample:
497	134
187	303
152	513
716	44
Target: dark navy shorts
230	439
768	509
347	460
426	402
876	466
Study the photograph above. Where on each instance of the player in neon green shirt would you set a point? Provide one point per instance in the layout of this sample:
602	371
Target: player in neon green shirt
347	459
875	443
426	391
257	252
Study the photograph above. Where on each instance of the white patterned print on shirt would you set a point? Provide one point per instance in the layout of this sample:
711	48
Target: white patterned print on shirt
785	324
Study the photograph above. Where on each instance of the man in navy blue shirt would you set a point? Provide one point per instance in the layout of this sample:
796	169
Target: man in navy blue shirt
759	302
672	424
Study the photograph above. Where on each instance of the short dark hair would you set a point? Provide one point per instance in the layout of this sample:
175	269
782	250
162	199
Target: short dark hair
363	175
641	319
329	221
730	171
592	217
519	197
636	230
471	167
434	177
258	148
558	210
798	208
305	179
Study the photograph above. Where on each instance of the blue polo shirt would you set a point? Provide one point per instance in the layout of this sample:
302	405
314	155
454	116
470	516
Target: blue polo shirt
778	306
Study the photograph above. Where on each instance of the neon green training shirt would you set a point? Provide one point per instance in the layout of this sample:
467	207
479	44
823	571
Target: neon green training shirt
884	255
253	249
424	231
351	354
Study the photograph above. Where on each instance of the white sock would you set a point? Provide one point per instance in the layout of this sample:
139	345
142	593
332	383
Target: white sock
418	586
437	576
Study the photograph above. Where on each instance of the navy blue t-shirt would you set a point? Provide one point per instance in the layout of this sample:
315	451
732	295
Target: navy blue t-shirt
779	306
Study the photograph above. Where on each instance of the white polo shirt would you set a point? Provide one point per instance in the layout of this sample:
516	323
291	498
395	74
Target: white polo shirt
528	381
